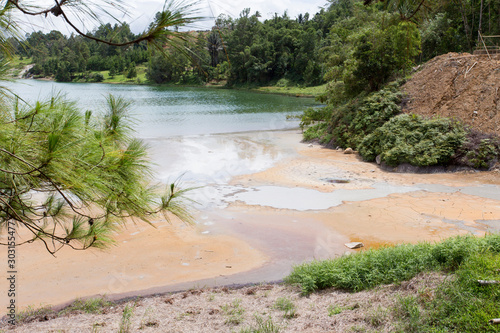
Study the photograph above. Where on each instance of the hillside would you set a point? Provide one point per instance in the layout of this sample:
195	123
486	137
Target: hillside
460	86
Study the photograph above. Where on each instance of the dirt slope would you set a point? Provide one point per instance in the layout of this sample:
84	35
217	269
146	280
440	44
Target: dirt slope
460	86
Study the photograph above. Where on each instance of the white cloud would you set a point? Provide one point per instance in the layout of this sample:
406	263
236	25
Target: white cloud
143	12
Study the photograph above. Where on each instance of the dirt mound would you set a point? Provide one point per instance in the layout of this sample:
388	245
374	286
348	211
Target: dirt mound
461	86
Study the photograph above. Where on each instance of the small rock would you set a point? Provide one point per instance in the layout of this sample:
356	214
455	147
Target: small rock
310	145
348	151
378	159
339	149
354	245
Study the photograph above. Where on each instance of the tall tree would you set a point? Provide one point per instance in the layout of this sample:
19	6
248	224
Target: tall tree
68	177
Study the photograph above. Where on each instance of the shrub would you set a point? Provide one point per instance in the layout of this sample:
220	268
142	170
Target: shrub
479	151
415	140
317	132
95	77
353	121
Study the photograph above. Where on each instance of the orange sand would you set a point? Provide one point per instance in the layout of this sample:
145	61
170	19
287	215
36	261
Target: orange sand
257	239
144	257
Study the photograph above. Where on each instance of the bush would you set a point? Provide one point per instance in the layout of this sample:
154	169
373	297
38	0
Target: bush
415	140
95	77
312	115
353	121
318	132
479	151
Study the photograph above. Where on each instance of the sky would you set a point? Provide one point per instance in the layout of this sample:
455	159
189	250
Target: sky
143	12
267	8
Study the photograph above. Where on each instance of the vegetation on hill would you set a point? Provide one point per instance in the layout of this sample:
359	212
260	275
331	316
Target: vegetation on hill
371	52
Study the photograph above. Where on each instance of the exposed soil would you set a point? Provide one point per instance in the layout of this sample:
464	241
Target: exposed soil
233	310
461	86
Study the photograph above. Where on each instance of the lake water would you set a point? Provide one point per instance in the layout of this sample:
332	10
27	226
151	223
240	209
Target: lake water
178	111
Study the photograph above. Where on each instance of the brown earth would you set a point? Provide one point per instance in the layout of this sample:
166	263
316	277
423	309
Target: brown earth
458	85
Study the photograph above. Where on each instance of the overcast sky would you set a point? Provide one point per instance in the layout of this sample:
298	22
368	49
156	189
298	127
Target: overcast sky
142	12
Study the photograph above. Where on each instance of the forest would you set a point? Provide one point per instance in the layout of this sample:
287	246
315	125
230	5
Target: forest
362	45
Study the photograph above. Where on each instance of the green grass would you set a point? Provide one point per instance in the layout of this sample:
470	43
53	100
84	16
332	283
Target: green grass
294	91
234	312
126	320
460	304
31	312
16	64
90	305
262	326
371	268
122	78
287	306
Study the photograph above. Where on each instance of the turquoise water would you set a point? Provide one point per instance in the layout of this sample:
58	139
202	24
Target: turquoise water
162	112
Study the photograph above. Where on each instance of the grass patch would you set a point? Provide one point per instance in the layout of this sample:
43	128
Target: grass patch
461	304
294	90
234	312
126	320
262	326
287	306
32	313
371	268
90	305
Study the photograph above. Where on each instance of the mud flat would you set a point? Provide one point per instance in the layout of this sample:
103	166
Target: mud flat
267	202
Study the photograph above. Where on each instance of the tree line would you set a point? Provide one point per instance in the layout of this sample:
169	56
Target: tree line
360	45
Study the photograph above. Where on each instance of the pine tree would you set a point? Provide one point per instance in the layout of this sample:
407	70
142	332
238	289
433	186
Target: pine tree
67	177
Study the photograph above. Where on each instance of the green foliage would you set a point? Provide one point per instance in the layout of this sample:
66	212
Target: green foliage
408	311
32	313
132	71
262	326
234	312
379	53
125	322
90	305
312	115
287	306
479	151
363	270
439	36
371	268
78	162
415	140
352	122
335	310
95	77
318	132
460	304
162	69
367	50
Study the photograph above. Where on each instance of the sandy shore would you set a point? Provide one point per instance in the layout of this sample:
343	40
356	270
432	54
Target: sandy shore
143	258
261	229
